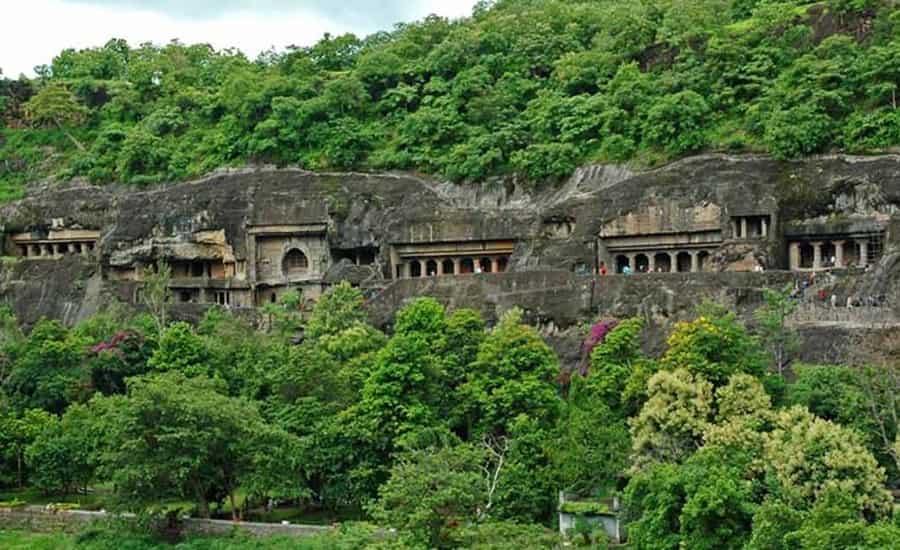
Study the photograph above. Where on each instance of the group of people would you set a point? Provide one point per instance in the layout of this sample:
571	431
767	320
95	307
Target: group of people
626	269
801	288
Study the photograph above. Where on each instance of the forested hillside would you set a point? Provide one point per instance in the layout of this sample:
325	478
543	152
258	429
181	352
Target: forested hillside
532	87
455	434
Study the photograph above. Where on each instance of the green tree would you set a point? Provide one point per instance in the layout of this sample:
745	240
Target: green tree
707	502
431	492
338	310
808	457
591	444
284	317
62	458
401	396
48	370
671	423
174	437
618	369
156	294
780	340
512	375
463	337
715	347
17	432
56	105
676	122
181	349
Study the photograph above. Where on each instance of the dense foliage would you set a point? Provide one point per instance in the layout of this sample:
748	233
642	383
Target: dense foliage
532	87
456	434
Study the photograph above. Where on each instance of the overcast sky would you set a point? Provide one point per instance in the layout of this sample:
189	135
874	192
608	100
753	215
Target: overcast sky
32	32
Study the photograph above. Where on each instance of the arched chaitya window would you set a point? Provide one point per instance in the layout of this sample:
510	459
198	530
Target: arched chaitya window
295	262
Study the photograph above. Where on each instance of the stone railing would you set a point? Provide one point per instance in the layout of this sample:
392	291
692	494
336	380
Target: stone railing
866	316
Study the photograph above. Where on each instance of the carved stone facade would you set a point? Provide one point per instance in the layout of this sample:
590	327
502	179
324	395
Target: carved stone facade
661	238
287	257
450	258
244	239
54	243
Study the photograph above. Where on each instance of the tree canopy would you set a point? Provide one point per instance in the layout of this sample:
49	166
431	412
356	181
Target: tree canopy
526	87
455	430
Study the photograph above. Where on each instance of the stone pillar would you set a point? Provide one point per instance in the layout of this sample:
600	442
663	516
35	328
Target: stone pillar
632	264
765	227
404	270
839	254
47	250
651	262
794	256
817	256
734	229
744	227
695	262
863	252
440	267
456	266
495	265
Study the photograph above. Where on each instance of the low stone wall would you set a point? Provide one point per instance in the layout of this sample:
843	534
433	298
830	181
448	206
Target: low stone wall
561	305
40	519
566	299
195	526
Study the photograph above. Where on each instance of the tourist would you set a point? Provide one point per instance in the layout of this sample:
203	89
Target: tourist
626	270
849	302
603	270
834	301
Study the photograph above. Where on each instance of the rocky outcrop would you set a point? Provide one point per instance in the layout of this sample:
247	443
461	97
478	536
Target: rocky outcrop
558	235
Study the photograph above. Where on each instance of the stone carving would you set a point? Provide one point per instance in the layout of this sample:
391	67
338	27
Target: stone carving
243	239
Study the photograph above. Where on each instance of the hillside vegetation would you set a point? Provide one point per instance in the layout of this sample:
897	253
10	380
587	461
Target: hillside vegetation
531	87
452	433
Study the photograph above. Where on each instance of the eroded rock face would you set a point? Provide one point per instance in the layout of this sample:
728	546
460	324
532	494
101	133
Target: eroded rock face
242	238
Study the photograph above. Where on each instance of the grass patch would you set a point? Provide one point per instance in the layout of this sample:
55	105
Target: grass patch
24	540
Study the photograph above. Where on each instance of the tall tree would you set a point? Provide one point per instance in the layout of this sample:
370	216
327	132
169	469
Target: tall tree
156	294
177	438
779	339
56	105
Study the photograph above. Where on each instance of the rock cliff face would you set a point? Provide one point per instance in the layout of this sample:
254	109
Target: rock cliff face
707	227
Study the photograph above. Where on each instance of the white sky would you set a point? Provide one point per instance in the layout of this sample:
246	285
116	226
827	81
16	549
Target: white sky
32	32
